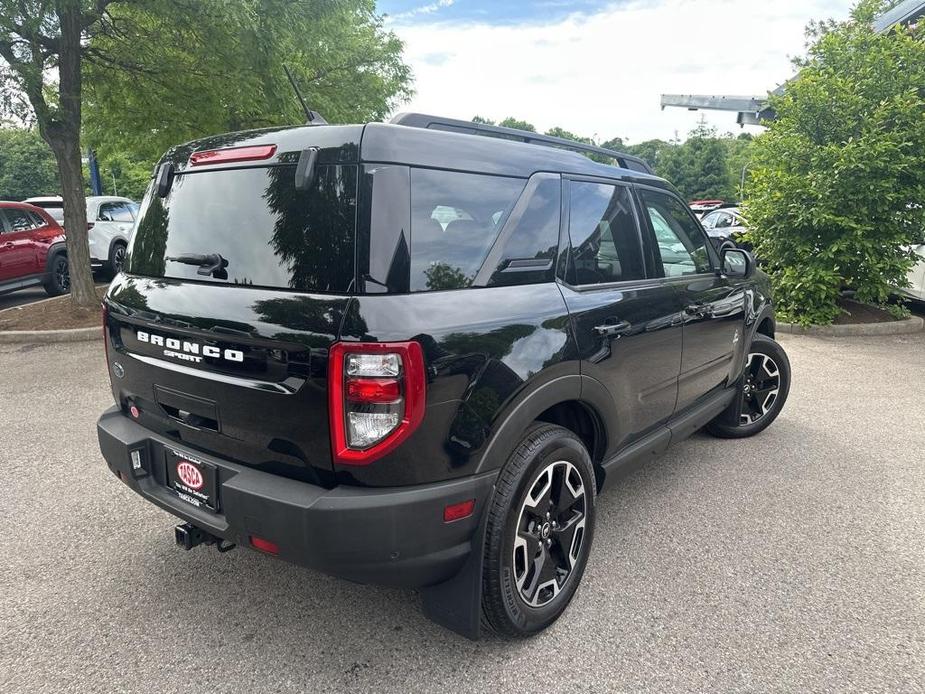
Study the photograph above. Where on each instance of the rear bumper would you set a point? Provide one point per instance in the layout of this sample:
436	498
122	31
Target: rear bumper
392	536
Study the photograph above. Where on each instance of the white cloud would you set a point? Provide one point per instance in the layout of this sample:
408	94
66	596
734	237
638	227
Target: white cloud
602	73
422	10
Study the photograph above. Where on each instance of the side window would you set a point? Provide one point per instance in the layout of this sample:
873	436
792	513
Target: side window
36	220
709	220
115	212
455	219
681	244
18	220
603	233
525	252
723	220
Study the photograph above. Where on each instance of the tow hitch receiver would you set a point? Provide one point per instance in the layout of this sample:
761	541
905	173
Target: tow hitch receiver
188	536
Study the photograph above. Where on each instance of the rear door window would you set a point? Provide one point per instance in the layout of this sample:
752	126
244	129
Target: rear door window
455	220
525	252
604	236
270	234
19	220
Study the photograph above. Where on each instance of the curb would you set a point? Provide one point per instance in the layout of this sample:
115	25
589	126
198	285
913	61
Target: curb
14	337
913	324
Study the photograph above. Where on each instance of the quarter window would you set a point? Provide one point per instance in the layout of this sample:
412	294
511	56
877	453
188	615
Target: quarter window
603	233
455	219
115	212
681	244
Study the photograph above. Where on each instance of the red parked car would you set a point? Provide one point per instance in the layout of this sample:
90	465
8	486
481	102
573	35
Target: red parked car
31	250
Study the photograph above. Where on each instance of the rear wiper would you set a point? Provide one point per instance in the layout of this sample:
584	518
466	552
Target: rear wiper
209	264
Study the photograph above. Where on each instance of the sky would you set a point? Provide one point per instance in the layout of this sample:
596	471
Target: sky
598	68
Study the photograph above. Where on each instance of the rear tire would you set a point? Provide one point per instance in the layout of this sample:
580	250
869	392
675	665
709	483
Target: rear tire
116	260
59	277
539	532
763	393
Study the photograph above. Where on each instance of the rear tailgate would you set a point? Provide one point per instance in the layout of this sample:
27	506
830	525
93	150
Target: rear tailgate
235	371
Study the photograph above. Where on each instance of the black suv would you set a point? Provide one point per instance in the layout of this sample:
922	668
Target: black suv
413	353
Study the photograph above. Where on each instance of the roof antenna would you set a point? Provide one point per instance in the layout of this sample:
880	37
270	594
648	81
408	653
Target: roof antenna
314	118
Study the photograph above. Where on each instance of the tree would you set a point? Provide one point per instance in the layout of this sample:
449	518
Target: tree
160	72
155	79
698	165
38	39
511	122
27	166
838	180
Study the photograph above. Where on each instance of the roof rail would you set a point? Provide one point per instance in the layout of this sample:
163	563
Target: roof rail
421	120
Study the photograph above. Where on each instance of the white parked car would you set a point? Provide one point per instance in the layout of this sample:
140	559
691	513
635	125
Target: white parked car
110	220
916	276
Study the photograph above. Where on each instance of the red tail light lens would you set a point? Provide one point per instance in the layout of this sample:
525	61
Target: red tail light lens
232	154
376	398
264	545
455	512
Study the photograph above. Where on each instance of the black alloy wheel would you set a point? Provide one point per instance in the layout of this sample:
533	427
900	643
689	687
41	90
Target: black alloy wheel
550	532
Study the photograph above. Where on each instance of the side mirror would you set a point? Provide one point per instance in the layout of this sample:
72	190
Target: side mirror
737	262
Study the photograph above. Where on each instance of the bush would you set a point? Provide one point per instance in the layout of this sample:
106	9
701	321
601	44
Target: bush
838	180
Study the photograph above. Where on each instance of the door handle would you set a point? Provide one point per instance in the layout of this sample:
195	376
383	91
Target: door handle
698	310
613	329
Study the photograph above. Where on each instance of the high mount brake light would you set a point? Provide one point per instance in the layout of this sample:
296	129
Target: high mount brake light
232	154
376	398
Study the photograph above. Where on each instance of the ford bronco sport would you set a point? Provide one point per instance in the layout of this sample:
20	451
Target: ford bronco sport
413	353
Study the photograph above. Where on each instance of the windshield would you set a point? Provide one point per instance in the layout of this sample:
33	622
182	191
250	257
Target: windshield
270	234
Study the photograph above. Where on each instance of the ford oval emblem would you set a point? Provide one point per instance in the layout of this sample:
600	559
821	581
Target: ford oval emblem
189	474
117	369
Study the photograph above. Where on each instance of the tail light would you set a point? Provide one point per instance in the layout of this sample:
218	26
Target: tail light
376	398
232	154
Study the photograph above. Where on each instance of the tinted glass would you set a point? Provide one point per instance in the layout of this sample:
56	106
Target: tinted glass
602	229
455	219
18	220
723	220
115	212
36	220
271	234
681	244
526	250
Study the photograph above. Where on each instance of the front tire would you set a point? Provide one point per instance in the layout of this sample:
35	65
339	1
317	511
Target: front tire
59	276
539	532
762	394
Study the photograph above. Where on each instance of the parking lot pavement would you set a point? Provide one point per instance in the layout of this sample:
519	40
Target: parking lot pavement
794	561
22	297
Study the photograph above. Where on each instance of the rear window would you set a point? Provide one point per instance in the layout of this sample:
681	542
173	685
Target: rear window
270	234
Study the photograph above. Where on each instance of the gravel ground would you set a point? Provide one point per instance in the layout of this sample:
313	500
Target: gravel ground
791	562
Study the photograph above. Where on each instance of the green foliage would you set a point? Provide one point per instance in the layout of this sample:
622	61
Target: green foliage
511	122
703	166
167	72
27	166
838	182
698	166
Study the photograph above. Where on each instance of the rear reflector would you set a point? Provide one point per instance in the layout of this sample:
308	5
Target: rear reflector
133	410
264	545
455	512
232	154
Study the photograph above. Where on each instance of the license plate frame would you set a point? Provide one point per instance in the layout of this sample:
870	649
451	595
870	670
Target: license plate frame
181	477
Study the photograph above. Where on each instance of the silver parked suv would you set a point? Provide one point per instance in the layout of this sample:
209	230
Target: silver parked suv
109	226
